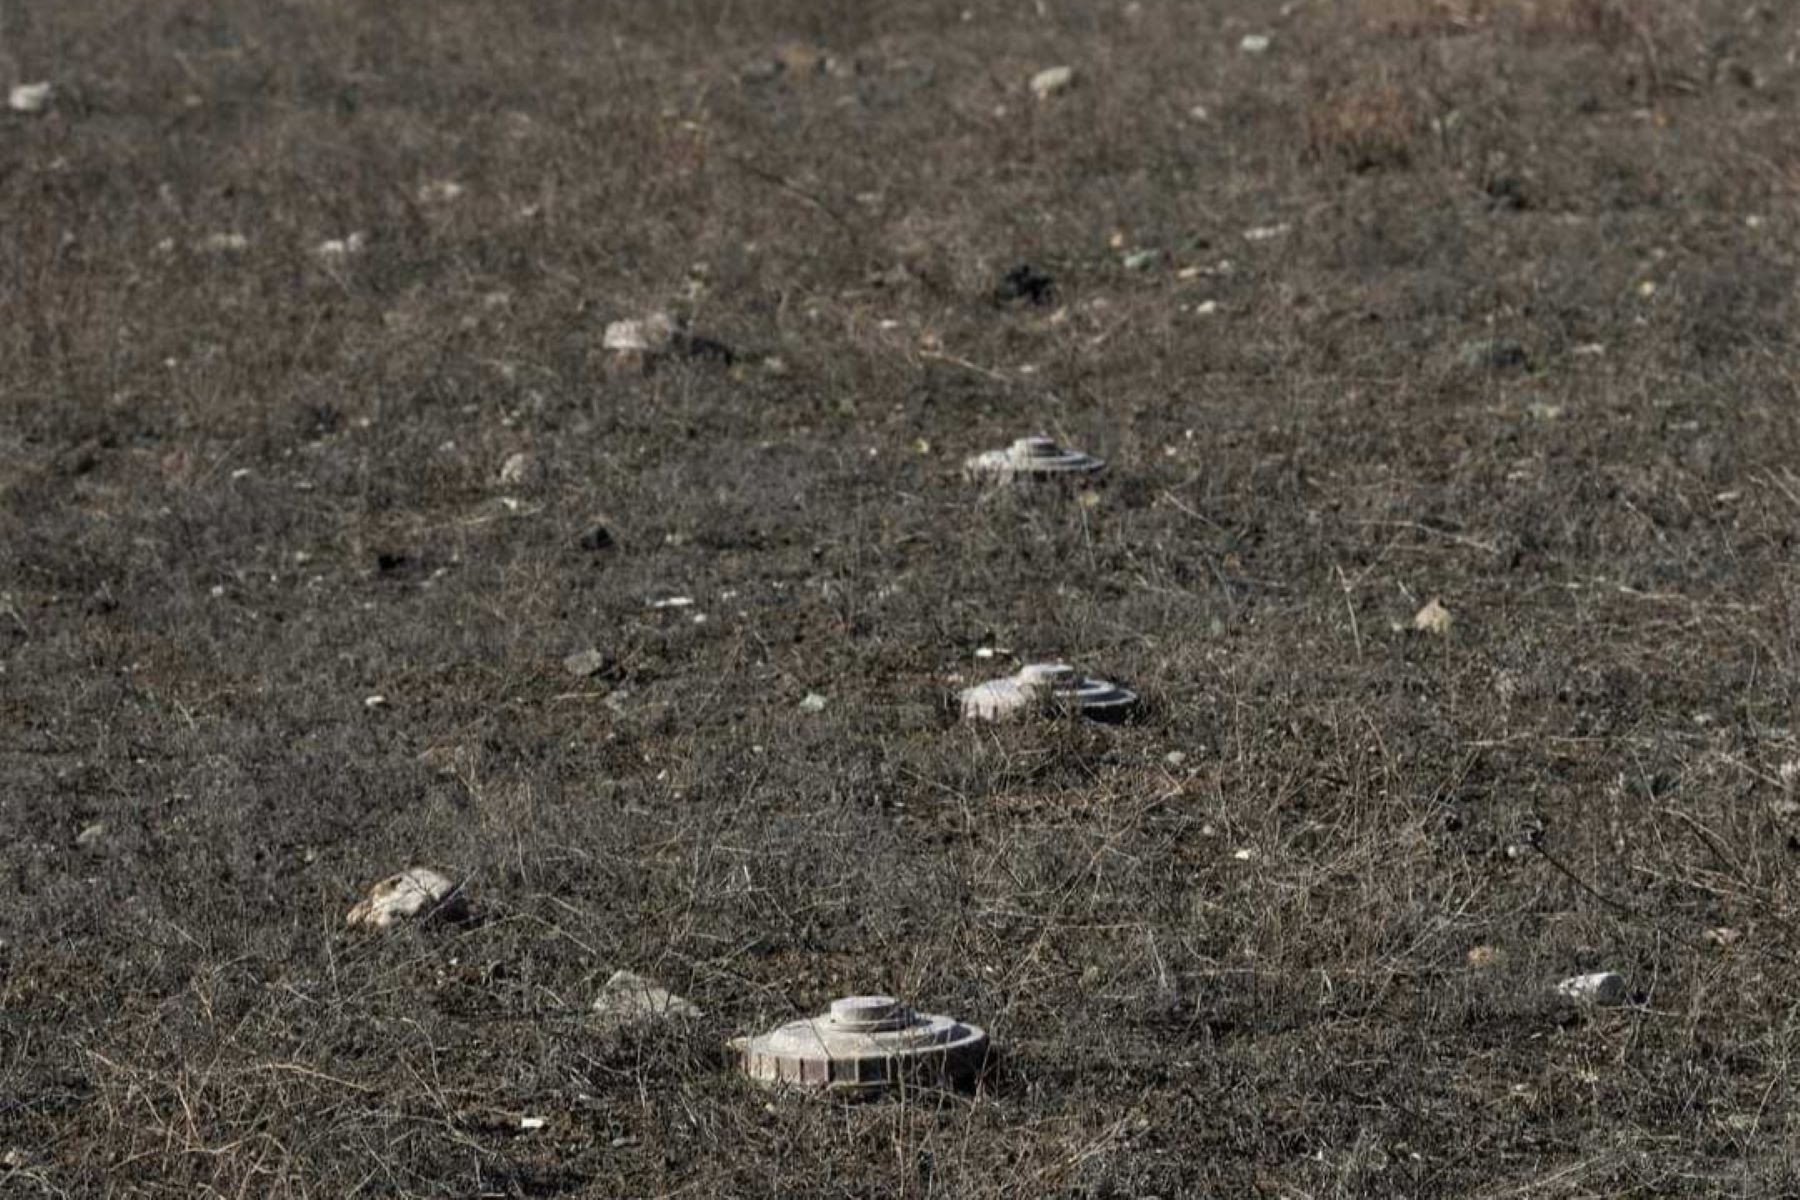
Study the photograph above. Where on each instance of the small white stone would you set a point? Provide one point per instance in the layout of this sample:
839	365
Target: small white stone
1484	956
584	663
1601	988
527	1124
1049	82
342	247
1433	618
440	191
1206	308
518	469
375	701
1267	233
417	892
1000	699
645	335
224	243
1256	43
29	98
813	703
630	999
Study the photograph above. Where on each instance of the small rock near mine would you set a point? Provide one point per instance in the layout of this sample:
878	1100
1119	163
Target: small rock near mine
1052	81
584	663
1603	988
29	99
628	998
421	893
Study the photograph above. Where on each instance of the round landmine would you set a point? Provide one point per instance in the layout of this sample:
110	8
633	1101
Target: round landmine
866	1044
1102	700
1033	458
1047	684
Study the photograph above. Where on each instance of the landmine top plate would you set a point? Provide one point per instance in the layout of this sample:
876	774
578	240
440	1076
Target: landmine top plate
866	1044
1053	683
1033	458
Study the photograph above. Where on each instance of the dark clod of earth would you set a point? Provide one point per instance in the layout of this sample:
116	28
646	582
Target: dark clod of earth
1452	434
1493	354
596	539
1025	282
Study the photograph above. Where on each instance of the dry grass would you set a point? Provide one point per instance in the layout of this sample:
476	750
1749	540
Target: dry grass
1365	126
1291	934
1606	21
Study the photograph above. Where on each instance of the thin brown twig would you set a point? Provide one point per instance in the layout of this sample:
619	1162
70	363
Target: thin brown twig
787	185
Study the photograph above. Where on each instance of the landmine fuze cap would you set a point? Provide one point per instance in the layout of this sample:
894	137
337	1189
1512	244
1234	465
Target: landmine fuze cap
866	1044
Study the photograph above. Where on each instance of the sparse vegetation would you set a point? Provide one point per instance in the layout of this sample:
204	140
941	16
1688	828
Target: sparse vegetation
1606	20
1365	126
1294	932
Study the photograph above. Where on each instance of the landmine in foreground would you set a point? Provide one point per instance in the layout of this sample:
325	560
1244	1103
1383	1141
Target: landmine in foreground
1047	685
864	1045
1035	457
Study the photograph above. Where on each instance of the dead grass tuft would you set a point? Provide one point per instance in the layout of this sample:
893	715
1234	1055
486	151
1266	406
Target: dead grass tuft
1602	20
1365	126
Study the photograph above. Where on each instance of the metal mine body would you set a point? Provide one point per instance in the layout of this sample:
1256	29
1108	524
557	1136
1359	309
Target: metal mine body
1046	684
866	1044
1035	457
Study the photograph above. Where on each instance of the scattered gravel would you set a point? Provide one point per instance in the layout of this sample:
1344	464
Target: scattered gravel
1052	81
29	99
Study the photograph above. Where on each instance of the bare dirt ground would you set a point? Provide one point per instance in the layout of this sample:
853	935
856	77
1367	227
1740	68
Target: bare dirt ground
1487	301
